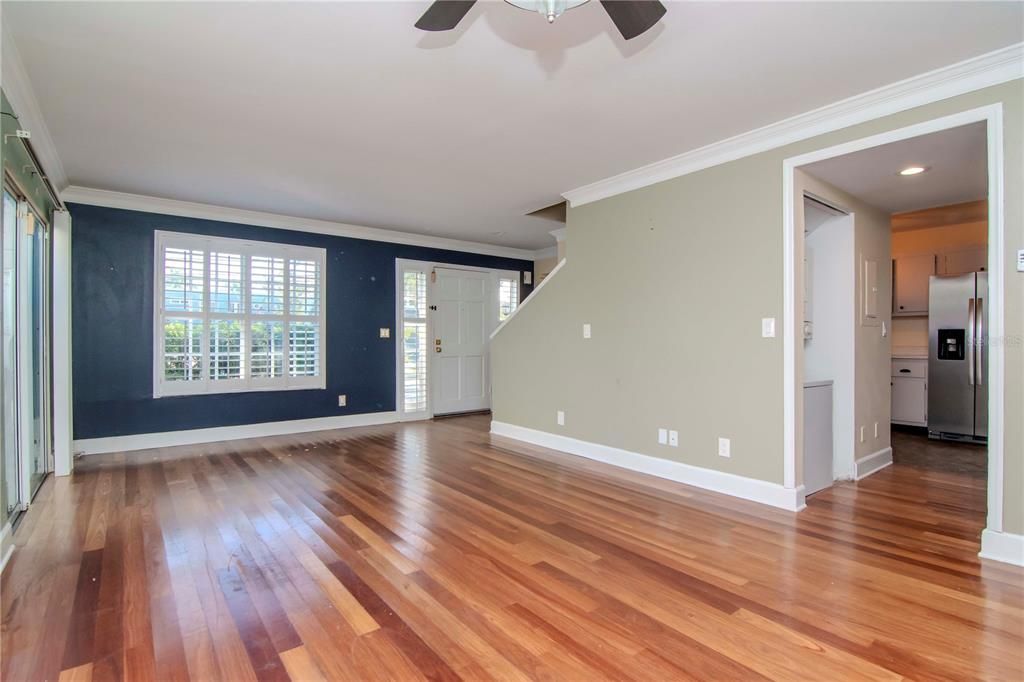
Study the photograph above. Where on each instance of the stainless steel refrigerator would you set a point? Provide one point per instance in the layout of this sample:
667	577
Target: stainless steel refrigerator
958	357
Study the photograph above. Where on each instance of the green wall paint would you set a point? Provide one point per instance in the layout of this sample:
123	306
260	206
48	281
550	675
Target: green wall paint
674	279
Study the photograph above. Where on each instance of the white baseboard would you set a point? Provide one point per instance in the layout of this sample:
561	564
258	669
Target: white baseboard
872	464
5	536
1005	547
790	499
145	441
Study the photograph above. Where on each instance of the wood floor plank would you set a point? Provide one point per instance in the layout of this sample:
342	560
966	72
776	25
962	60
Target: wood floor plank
434	551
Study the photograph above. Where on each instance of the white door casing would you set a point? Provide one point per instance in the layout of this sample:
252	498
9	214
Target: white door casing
418	316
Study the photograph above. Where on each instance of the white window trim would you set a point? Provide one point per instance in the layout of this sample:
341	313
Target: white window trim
403	265
205	386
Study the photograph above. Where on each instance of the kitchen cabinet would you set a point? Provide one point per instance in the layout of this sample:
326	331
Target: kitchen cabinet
910	283
910	275
963	261
910	391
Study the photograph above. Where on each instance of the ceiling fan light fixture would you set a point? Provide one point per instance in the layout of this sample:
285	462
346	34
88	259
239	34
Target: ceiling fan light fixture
549	9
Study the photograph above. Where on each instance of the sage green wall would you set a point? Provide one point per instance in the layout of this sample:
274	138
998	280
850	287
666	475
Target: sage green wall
675	279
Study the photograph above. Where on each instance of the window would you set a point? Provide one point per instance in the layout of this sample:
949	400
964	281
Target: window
508	297
235	315
414	340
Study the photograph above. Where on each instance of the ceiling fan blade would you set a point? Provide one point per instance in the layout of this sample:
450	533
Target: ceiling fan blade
444	15
633	17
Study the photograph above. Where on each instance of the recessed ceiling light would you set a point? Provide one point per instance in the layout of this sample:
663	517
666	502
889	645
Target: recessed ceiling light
913	170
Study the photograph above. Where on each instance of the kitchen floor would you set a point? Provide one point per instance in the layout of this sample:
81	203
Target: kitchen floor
912	448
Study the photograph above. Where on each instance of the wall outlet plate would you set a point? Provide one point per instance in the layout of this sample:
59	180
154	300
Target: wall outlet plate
527	277
342	400
385	332
724	447
560	418
586	331
673	439
662	436
767	327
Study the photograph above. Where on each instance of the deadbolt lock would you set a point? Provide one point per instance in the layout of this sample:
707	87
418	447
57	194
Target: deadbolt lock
437	342
437	349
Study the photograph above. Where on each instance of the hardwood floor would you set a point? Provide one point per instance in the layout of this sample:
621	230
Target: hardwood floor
425	551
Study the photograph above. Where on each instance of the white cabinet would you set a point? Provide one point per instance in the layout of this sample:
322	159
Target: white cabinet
910	392
818	443
964	261
910	283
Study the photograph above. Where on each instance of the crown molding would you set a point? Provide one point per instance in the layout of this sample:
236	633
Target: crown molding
990	69
18	88
188	209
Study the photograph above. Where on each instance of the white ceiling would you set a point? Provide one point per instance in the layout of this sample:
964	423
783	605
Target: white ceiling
956	159
345	112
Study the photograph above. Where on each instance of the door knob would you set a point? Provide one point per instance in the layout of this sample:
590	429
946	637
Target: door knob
437	349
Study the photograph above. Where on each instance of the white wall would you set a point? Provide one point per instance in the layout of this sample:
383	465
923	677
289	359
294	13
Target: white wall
829	354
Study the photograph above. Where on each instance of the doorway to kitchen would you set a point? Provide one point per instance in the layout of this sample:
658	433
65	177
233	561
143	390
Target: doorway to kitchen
446	314
927	266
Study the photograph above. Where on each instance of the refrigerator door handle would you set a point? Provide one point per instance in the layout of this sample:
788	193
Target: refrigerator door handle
970	341
979	346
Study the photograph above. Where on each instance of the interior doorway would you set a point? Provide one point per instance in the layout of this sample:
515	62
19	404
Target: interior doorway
446	314
923	307
828	341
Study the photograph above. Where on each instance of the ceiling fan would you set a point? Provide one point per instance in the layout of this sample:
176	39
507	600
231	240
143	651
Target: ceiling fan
631	17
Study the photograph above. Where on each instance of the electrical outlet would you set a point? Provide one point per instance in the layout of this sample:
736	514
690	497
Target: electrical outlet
586	331
560	418
862	434
876	429
767	327
385	332
673	439
724	447
662	436
342	400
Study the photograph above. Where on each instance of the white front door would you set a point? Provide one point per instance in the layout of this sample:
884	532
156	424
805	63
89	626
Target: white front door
462	322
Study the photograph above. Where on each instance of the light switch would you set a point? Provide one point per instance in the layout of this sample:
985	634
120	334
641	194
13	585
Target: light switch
724	447
586	331
767	327
342	400
527	277
662	436
560	418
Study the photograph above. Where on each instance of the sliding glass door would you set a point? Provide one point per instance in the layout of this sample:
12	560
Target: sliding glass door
37	345
10	470
25	423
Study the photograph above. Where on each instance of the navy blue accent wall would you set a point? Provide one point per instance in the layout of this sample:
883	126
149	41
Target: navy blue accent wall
112	326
